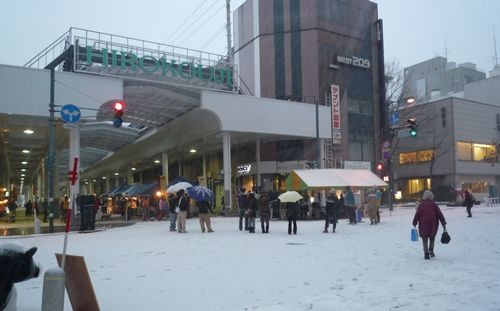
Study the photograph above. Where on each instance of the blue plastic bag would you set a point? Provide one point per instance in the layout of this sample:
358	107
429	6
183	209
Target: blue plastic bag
414	235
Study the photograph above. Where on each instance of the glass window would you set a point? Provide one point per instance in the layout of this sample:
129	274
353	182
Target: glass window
464	151
476	152
424	155
353	106
365	107
415	186
355	152
407	157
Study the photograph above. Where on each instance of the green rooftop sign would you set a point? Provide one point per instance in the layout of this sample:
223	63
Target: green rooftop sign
123	62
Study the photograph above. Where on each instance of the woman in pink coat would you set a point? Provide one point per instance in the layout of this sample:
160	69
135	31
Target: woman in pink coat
428	216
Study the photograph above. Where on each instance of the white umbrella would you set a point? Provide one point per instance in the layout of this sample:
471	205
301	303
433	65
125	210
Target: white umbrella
178	186
289	196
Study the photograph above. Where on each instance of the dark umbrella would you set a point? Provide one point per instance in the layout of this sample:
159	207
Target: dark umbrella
200	193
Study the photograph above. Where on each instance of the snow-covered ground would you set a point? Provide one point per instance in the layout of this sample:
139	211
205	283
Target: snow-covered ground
361	267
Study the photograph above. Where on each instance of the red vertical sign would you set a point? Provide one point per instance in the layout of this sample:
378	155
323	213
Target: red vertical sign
335	90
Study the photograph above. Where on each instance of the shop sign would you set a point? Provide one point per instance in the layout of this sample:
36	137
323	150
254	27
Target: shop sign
357	165
335	94
354	61
243	169
129	61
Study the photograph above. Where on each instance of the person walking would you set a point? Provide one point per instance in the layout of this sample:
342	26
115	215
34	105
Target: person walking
162	207
265	212
468	202
45	207
371	204
183	206
203	213
253	206
350	203
331	210
65	208
242	208
28	207
428	216
291	216
378	195
172	204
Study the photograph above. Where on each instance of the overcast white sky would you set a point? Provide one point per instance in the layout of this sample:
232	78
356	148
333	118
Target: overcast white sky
415	30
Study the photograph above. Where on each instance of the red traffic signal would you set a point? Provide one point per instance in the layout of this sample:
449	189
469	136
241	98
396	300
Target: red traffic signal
118	108
380	166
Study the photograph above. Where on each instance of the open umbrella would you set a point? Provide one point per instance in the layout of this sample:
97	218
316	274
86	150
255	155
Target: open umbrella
178	186
200	193
289	196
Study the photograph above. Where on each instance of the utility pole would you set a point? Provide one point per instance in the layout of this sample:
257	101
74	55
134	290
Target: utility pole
228	31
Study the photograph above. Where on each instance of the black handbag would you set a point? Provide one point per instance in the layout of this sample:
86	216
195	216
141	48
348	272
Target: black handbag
445	237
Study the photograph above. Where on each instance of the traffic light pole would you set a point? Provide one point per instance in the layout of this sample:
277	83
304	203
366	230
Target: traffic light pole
52	151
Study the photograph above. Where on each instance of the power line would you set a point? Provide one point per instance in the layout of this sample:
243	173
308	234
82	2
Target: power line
195	21
185	21
212	38
202	24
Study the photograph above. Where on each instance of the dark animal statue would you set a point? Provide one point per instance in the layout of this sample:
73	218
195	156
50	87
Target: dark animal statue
16	265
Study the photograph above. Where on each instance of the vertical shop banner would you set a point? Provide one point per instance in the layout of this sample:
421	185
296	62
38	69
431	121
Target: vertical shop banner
335	114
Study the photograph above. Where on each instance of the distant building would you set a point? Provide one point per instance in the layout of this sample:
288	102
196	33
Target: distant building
437	77
298	49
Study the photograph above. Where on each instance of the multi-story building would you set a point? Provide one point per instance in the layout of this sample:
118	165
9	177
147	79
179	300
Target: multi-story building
319	52
456	145
437	77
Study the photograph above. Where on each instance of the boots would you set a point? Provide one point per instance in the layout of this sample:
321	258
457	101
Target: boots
431	252
263	230
426	256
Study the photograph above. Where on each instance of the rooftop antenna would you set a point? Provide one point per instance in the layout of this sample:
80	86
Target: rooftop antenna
446	49
495	59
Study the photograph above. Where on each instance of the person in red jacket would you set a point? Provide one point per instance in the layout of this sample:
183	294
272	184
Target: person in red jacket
428	216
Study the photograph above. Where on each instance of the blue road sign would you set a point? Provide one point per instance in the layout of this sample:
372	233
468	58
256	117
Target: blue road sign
70	113
394	118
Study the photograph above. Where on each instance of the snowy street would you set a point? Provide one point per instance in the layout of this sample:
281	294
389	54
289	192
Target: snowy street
361	267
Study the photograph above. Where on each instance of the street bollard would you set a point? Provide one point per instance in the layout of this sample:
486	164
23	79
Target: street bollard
37	226
53	290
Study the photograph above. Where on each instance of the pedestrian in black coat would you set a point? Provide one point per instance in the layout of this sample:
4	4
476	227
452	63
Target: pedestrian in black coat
292	210
469	202
331	210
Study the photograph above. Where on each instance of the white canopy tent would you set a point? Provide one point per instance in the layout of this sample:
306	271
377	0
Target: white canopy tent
327	178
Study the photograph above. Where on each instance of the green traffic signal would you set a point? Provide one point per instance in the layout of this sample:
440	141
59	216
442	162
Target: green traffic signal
412	124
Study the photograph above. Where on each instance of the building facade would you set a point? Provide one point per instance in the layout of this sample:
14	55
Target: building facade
437	77
319	52
456	147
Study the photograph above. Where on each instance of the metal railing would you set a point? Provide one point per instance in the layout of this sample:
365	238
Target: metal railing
106	40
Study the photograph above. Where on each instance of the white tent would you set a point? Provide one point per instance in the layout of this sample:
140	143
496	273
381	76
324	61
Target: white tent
327	178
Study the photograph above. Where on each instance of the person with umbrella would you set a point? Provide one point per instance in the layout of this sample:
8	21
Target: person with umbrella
182	207
203	197
292	209
203	213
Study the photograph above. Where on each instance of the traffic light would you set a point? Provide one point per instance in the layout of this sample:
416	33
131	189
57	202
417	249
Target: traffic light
412	127
380	166
118	108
